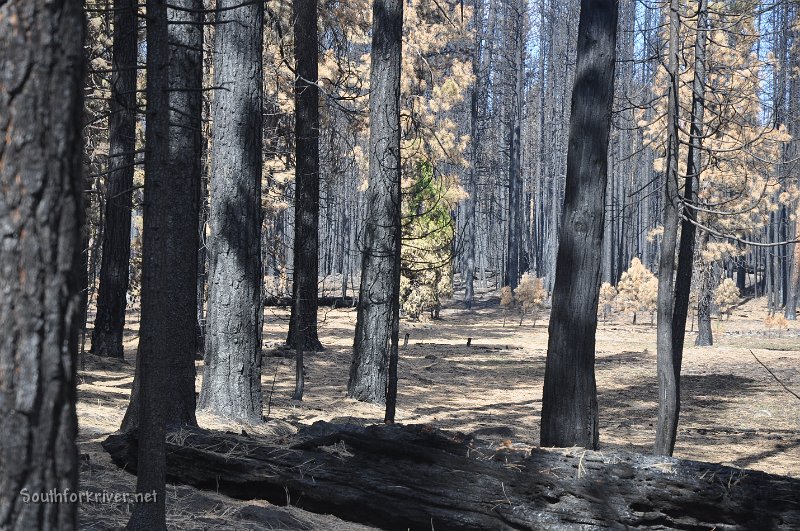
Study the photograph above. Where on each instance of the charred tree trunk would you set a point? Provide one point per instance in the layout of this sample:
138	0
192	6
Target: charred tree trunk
232	374
303	320
683	281
512	272
178	179
373	371
668	390
109	322
472	182
41	213
793	287
147	407
794	276
569	402
164	394
741	273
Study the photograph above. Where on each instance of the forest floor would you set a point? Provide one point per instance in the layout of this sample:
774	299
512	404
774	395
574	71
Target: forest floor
733	410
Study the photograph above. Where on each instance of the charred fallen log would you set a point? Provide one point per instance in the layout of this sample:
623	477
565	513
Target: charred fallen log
415	477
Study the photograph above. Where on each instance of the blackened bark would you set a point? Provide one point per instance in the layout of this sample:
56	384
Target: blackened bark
668	392
569	402
413	477
303	320
472	182
683	280
157	356
232	374
793	287
741	273
41	87
109	322
373	375
180	216
512	273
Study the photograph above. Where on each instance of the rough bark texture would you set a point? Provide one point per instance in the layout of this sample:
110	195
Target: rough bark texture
179	185
515	212
794	276
472	180
115	263
569	402
705	336
683	280
41	86
415	477
232	374
376	333
303	319
668	391
157	357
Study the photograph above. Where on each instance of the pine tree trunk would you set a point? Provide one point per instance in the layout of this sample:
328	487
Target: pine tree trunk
472	183
705	336
41	213
164	391
569	402
232	374
113	287
373	376
303	320
793	286
147	406
668	390
741	273
794	276
683	281
512	272
178	179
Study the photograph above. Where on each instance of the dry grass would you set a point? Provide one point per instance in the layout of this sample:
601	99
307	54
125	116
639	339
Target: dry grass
733	411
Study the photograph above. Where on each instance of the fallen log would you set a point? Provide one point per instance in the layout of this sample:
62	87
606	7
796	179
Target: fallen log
416	477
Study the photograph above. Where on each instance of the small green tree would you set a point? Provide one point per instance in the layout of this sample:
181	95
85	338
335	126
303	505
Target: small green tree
426	256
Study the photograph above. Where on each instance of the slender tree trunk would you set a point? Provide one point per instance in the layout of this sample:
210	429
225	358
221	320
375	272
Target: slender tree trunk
41	213
164	392
113	287
303	320
177	178
232	373
683	281
472	183
794	275
793	286
373	371
569	402
512	272
153	363
668	391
